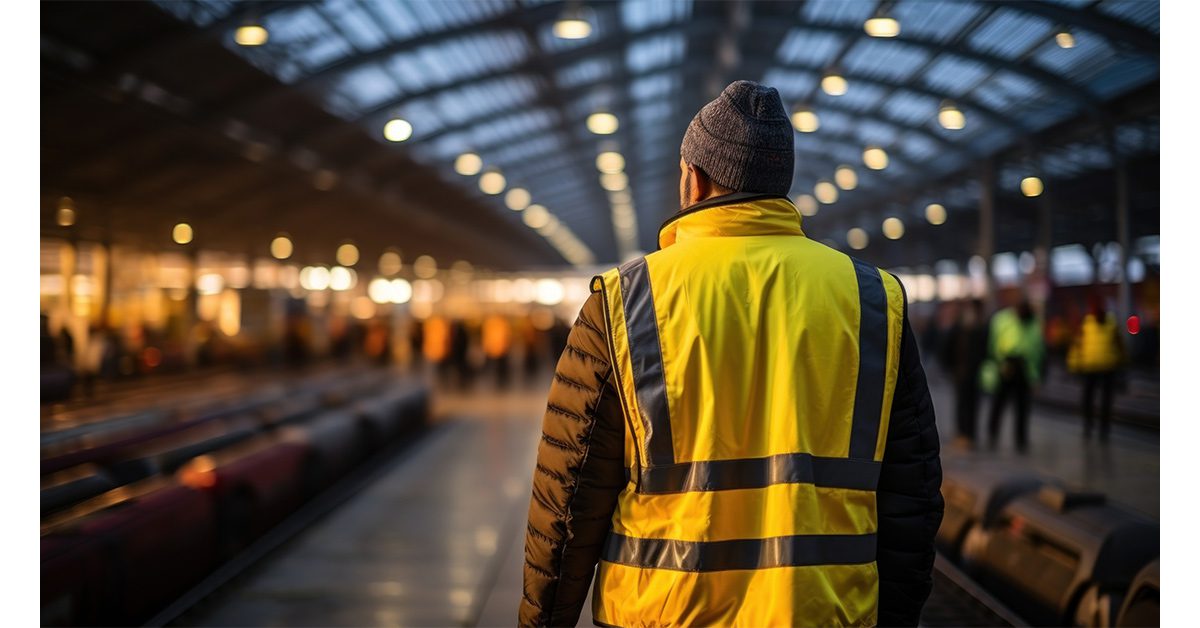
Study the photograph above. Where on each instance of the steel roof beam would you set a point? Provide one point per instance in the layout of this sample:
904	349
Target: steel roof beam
1119	32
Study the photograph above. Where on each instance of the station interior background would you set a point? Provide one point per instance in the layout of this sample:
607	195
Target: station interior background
306	267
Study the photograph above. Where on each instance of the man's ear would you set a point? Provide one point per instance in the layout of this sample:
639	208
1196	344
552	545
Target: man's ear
701	186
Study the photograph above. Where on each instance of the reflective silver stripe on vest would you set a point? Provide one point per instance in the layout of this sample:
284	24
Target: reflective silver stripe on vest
645	354
872	357
724	475
779	551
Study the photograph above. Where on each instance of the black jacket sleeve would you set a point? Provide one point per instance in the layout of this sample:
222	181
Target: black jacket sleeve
909	496
579	473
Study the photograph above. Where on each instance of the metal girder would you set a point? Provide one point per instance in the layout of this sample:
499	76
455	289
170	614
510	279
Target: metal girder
989	113
529	67
1074	92
1118	32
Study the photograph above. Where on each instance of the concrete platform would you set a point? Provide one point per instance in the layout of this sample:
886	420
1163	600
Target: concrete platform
438	539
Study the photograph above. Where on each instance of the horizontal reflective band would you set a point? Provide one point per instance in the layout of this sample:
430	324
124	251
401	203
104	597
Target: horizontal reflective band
779	551
725	475
872	357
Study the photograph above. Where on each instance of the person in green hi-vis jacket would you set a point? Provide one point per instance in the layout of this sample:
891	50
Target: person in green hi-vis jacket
1015	352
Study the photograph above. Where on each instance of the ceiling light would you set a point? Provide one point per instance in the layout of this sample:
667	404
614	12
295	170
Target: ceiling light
389	263
182	233
614	181
825	192
397	130
492	182
805	120
893	228
882	26
1065	39
536	217
602	123
468	164
950	116
251	35
610	162
834	84
1032	186
281	247
66	212
807	205
347	254
857	239
935	214
517	199
875	158
425	267
845	177
573	23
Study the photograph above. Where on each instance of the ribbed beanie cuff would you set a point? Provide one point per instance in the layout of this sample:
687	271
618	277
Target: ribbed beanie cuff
743	140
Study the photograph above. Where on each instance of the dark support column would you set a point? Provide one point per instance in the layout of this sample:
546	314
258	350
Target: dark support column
1124	294
1041	285
987	220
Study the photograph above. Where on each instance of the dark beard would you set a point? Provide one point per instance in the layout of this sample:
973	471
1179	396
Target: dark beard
687	193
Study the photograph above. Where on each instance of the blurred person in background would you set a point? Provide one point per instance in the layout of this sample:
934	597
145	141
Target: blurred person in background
497	337
1016	351
965	348
715	401
1095	354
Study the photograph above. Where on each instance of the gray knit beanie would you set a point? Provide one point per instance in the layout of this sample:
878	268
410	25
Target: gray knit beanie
743	140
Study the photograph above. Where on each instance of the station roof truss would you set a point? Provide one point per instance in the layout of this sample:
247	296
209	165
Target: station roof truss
490	77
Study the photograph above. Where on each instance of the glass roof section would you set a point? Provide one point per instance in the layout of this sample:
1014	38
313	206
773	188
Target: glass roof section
491	77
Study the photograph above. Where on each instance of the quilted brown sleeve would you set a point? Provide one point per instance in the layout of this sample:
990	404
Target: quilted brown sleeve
579	473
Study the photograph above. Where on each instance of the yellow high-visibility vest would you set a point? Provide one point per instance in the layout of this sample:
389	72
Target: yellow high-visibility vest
755	369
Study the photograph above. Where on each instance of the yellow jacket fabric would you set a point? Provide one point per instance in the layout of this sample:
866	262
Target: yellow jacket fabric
755	369
1096	348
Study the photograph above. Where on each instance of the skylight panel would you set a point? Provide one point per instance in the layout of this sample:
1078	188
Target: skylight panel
791	84
1143	13
955	75
654	86
837	11
938	21
362	88
1008	33
360	26
859	97
809	47
584	72
911	108
654	52
885	59
876	132
639	15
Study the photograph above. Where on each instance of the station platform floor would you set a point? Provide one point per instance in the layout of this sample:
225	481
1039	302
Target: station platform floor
438	538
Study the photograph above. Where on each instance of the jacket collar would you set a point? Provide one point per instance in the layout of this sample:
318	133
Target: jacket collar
737	214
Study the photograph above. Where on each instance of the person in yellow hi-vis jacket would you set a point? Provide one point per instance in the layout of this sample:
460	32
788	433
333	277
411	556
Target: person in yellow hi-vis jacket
1096	353
739	432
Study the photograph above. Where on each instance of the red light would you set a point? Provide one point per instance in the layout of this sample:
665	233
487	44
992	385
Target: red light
152	356
1133	324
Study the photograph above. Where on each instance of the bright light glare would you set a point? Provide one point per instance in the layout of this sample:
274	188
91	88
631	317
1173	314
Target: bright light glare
281	247
347	254
935	214
251	35
610	162
468	164
182	233
602	123
875	158
517	199
492	182
397	130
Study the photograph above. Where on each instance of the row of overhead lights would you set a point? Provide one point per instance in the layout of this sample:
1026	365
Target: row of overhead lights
806	120
613	179
535	216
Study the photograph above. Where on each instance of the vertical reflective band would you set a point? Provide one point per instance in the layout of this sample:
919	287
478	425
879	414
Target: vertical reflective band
872	358
645	354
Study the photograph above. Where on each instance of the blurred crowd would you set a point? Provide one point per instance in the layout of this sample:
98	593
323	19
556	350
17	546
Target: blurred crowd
456	352
1000	362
